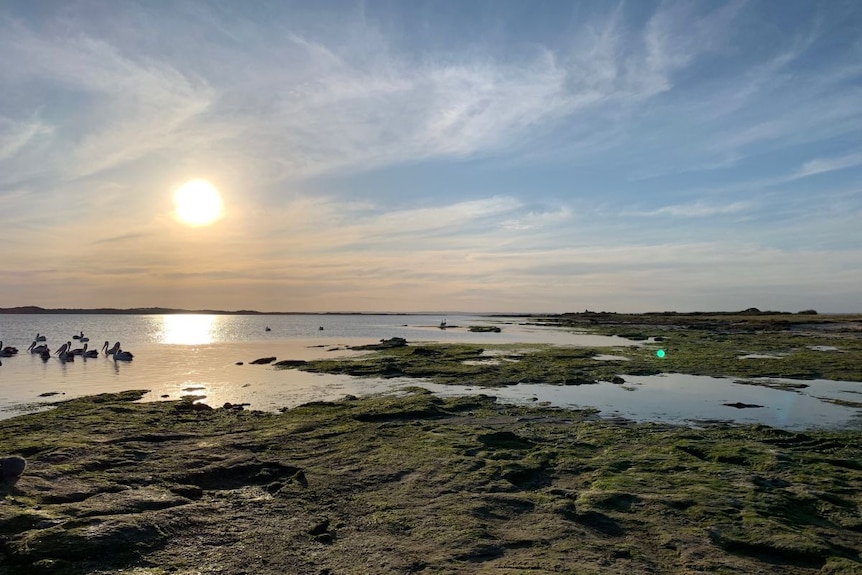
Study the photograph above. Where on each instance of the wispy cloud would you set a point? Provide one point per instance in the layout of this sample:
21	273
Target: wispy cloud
823	165
699	209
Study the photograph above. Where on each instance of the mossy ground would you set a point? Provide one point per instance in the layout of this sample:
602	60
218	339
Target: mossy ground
418	483
693	344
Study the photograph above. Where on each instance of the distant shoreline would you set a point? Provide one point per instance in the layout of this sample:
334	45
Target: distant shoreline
36	310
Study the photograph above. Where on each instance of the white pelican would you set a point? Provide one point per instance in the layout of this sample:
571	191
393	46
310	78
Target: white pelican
38	348
40	337
64	354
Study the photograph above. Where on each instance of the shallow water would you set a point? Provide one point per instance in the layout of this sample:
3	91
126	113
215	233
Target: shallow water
178	355
693	400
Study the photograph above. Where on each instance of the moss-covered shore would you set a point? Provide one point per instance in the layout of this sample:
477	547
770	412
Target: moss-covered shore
419	484
754	345
422	484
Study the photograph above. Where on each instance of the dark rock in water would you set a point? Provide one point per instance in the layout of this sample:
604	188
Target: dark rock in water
484	329
263	360
49	394
288	363
12	467
740	405
618	380
238	363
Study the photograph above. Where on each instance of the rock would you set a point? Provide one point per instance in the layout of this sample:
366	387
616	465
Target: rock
238	363
319	528
484	329
740	405
12	467
288	363
617	380
263	360
384	344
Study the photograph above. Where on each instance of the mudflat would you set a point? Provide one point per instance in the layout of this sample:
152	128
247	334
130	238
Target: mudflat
418	483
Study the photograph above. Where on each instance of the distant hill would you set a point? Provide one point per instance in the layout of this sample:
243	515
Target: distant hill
32	309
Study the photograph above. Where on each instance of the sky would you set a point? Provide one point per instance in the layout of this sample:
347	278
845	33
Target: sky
496	156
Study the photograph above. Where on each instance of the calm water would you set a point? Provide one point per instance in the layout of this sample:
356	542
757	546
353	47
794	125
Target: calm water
178	355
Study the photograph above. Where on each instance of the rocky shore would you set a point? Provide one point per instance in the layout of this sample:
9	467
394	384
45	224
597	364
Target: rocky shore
419	484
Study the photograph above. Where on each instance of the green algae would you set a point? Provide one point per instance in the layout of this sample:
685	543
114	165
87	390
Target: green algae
415	482
693	344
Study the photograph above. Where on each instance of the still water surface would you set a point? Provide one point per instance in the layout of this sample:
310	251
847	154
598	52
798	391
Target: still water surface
178	355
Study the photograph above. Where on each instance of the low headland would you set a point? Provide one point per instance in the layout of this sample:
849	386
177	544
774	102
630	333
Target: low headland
417	483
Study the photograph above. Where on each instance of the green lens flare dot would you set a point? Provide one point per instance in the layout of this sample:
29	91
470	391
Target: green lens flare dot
660	353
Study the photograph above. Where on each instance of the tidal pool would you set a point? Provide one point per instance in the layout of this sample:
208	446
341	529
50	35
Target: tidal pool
693	400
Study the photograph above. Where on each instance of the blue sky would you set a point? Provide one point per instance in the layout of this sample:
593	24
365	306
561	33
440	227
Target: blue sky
446	155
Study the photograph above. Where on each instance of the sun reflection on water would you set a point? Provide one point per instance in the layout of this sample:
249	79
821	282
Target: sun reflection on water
188	329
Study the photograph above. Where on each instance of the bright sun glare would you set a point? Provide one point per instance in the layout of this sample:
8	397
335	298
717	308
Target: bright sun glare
197	203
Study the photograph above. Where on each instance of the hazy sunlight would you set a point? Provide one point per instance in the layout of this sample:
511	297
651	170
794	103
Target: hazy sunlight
188	329
197	203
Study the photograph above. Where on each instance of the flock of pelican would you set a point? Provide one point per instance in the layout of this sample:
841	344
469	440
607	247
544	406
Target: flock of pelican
67	352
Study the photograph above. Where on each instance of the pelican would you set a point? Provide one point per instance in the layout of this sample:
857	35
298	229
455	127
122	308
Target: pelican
37	348
64	354
77	350
119	354
7	351
89	352
40	337
81	338
443	324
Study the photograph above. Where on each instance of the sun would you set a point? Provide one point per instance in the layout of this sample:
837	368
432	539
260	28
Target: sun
198	203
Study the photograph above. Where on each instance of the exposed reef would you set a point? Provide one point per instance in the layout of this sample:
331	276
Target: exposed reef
418	483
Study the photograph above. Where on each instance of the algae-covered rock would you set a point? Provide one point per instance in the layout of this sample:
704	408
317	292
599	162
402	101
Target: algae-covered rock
415	482
11	468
